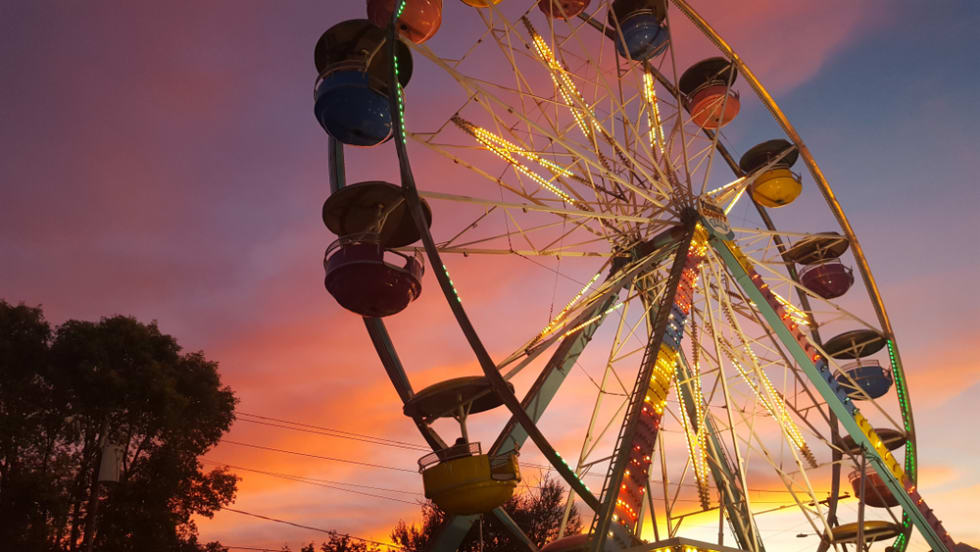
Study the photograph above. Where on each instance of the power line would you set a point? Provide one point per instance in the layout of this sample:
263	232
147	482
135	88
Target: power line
393	443
318	456
326	483
330	484
328	434
362	437
311	528
331	432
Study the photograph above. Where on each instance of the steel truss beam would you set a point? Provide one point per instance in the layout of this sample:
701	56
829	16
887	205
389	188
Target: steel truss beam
513	436
900	483
603	518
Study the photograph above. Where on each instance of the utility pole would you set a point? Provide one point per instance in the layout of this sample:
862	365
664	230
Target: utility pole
93	500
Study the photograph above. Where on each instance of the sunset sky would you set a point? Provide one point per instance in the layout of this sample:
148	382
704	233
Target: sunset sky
162	160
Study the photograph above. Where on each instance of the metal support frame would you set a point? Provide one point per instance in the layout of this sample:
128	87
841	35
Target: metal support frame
522	424
816	368
508	522
335	157
777	240
600	528
513	436
527	412
732	495
862	262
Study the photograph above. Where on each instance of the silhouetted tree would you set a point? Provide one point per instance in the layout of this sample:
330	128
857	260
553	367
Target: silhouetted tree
64	393
538	514
339	542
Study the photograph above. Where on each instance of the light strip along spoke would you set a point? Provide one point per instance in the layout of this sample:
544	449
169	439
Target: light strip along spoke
561	325
541	208
783	278
539	203
504	149
773	401
799	317
600	81
802	388
695	449
767	395
569	93
788	483
470	86
697	396
612	285
440	150
566	88
523	85
656	125
581	112
561	314
729	406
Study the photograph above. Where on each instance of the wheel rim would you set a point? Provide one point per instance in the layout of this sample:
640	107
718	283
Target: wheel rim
613	170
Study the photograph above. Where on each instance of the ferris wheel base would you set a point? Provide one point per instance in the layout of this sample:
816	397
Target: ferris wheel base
681	544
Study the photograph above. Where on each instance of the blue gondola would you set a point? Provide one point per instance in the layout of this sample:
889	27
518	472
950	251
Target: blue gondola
353	91
351	110
644	34
874	379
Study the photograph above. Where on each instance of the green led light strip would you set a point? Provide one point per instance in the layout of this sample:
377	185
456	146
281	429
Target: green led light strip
901	542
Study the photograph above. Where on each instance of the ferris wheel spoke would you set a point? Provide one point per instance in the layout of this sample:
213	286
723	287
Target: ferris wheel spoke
769	342
505	235
737	189
580	311
815	517
754	540
680	125
835	307
747	364
446	151
565	86
572	149
859	428
709	433
609	92
590	126
562	82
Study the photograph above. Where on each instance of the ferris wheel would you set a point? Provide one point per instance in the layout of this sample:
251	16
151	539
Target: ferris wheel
730	357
